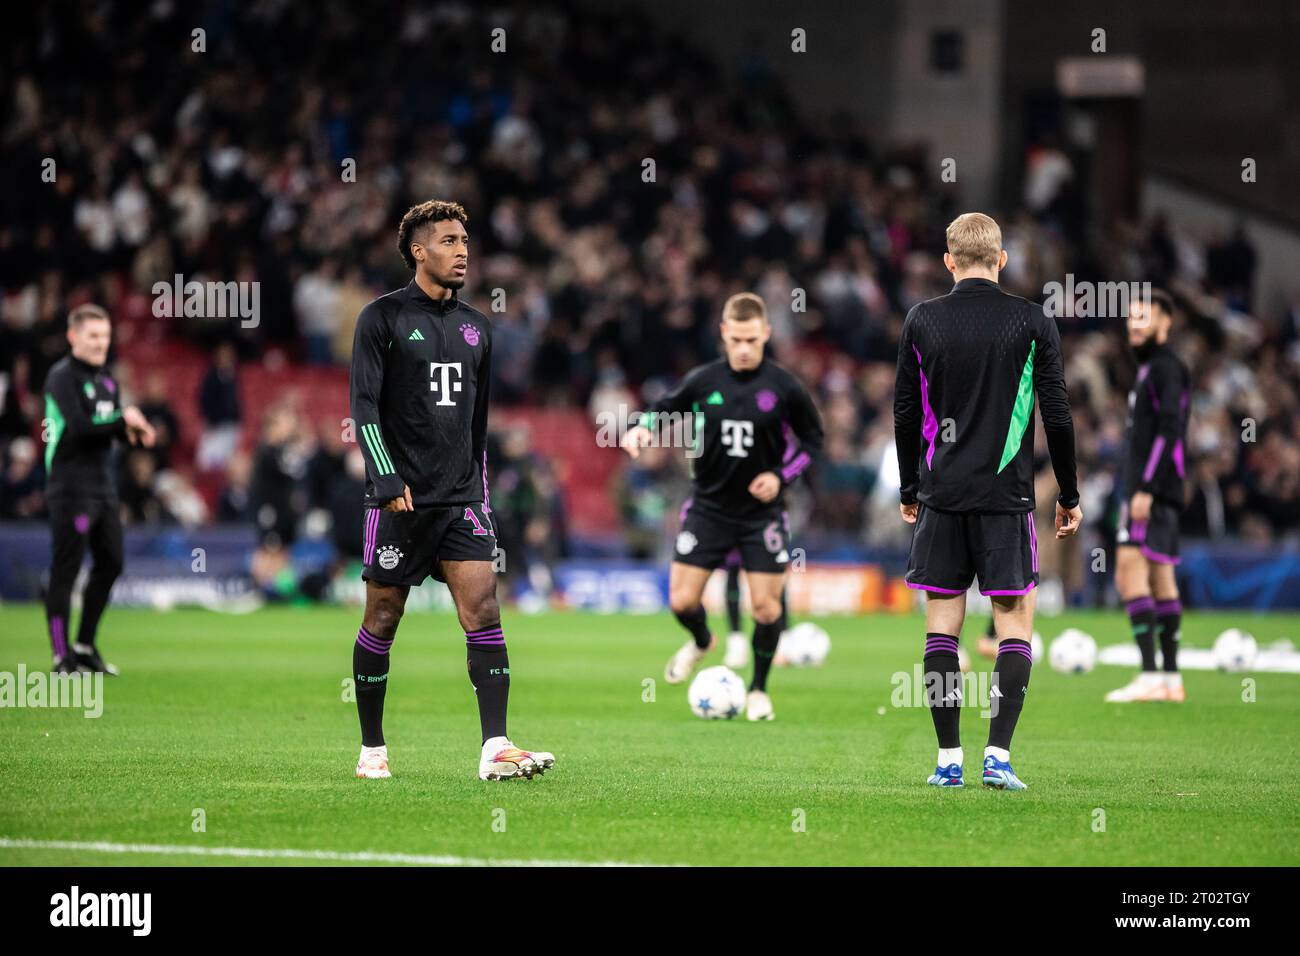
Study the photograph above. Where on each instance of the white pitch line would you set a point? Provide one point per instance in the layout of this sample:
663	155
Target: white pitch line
257	853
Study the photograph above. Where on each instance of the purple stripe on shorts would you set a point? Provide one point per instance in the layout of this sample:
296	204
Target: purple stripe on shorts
1033	543
1164	608
1140	605
1159	558
931	587
1180	461
1010	593
376	645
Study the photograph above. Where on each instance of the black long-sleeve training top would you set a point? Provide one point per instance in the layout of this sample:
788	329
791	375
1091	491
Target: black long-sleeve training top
969	366
746	423
1157	427
421	375
83	415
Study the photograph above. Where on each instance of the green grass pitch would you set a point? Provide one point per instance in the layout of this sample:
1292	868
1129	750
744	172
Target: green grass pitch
243	717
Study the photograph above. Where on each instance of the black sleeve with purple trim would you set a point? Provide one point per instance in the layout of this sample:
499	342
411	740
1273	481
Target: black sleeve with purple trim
908	414
803	433
1157	428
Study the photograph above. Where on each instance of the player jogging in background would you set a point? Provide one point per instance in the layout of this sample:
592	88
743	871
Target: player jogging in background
421	368
83	418
747	411
969	366
1147	540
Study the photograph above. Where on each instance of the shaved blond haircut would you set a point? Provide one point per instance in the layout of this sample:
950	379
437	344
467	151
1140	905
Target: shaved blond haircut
974	239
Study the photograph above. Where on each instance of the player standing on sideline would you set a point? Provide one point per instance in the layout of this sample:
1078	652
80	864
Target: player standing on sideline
421	369
83	415
746	409
1148	525
975	358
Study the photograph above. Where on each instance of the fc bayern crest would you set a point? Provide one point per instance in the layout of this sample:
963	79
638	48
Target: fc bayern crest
766	400
470	333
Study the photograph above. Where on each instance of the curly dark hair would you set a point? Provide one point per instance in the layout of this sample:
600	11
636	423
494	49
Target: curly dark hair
419	216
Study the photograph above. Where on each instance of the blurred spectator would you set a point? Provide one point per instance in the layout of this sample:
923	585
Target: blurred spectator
22	490
219	406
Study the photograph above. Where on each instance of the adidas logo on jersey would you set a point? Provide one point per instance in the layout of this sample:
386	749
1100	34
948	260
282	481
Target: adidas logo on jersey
714	399
415	336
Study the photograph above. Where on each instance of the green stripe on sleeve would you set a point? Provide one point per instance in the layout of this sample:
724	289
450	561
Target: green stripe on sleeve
56	426
1020	411
375	441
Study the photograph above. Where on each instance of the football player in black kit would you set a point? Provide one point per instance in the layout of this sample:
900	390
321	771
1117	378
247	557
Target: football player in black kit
746	411
1154	467
976	359
83	418
421	370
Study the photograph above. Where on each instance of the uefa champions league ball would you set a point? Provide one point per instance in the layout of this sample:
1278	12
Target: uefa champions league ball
1234	651
804	645
1073	652
717	693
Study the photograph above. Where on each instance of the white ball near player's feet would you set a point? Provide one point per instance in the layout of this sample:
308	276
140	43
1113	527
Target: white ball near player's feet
717	693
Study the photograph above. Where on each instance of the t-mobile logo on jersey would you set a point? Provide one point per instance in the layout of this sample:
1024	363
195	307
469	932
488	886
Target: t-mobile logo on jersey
737	436
440	373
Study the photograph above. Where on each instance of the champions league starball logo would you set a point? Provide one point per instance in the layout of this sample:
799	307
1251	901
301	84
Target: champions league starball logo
766	400
470	333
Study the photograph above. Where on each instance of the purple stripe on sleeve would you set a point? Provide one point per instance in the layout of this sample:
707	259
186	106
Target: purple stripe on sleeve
796	467
1180	464
930	424
1157	449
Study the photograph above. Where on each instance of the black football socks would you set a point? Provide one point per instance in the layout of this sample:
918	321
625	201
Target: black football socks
1010	684
943	688
766	637
1169	620
1142	617
489	672
370	670
733	597
697	622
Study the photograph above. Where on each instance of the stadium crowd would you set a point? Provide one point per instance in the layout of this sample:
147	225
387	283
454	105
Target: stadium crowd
611	272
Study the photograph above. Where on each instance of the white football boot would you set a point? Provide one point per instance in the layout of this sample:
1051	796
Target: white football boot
686	660
373	763
758	706
737	656
1147	686
502	760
